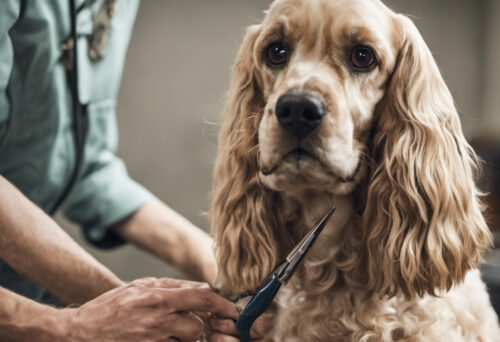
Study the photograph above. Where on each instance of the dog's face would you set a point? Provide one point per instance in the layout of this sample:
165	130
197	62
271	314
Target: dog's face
323	66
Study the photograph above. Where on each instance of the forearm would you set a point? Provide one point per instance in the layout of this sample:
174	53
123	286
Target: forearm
22	319
160	230
35	246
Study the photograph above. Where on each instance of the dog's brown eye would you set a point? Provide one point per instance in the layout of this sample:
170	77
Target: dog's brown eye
276	54
362	58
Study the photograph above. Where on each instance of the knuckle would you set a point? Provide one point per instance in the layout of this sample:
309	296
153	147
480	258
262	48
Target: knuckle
141	297
149	281
153	323
131	284
131	291
152	298
129	294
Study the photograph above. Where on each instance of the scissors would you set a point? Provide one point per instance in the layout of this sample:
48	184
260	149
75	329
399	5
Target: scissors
251	306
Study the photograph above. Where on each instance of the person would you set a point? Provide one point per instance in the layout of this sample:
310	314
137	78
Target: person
60	69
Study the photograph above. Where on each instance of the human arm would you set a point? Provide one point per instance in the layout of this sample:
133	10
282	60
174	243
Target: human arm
35	246
158	229
147	308
22	319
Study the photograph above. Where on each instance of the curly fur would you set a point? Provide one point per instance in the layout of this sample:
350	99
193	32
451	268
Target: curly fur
398	260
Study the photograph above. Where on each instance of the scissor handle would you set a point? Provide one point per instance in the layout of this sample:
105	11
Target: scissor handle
259	303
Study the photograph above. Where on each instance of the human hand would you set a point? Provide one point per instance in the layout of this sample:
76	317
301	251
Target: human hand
224	329
148	309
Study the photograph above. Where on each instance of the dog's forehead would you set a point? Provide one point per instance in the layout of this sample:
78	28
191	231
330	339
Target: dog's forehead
338	6
370	18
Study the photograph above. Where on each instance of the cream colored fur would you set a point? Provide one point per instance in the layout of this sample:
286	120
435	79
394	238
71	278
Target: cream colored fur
398	261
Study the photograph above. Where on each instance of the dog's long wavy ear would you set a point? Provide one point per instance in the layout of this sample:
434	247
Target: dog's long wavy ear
244	215
422	227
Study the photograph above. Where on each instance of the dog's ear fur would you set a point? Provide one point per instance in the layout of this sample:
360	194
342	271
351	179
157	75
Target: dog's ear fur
422	227
245	218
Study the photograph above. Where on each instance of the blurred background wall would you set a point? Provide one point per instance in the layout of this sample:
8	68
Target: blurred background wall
178	69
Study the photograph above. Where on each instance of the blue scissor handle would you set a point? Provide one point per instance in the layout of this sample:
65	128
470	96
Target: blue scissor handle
257	305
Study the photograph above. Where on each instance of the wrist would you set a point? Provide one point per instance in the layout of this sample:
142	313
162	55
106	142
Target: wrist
35	322
55	325
202	255
67	329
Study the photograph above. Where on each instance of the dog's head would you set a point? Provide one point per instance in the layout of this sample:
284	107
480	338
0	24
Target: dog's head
327	96
322	68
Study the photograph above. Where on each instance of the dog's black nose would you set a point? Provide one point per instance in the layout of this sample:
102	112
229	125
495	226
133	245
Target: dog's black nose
300	113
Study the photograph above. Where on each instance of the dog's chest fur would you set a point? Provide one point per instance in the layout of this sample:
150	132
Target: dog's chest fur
462	314
320	304
324	307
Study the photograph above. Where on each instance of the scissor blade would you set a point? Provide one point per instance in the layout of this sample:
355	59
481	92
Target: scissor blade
303	246
309	238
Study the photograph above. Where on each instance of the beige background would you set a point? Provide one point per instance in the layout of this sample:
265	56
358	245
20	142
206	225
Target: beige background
177	73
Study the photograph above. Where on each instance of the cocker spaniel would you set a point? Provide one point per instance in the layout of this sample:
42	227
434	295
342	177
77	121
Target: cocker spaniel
340	101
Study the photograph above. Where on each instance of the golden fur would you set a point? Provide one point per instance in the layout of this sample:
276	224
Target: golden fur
398	260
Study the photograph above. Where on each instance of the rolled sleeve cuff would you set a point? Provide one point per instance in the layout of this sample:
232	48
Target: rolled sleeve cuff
103	198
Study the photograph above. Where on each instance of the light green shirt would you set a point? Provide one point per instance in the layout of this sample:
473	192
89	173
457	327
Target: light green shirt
37	150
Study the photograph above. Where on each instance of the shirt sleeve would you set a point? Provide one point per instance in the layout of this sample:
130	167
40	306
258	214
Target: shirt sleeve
104	193
102	198
9	12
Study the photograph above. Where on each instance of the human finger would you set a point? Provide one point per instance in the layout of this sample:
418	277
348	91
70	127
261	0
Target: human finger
167	283
224	326
227	326
261	326
201	299
180	283
185	326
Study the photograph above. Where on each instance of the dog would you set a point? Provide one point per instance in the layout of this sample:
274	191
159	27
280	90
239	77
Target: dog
341	102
